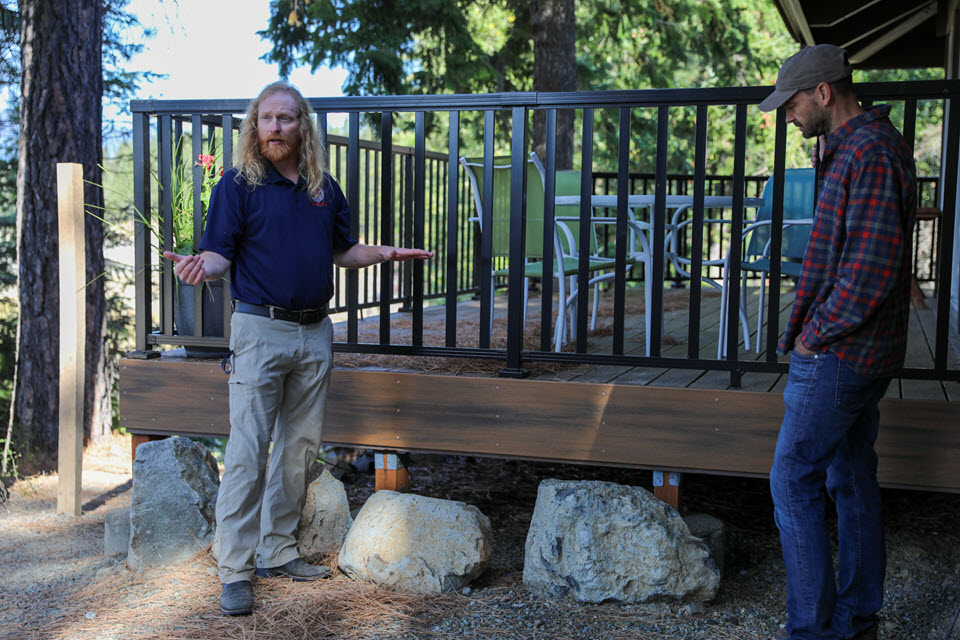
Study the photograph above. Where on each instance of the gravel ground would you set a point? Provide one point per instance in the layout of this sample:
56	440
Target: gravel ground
58	584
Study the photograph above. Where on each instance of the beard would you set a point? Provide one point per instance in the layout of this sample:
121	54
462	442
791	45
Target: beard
276	152
817	125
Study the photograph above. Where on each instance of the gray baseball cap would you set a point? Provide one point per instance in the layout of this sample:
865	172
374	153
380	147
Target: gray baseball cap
806	69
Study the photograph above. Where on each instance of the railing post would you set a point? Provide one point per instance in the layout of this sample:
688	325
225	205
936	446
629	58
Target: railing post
518	223
417	230
141	235
73	310
407	230
353	197
453	228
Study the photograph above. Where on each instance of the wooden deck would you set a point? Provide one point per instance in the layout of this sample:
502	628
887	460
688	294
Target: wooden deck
920	349
669	419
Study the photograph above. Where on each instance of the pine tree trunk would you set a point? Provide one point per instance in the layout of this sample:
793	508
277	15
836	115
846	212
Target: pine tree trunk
554	28
60	121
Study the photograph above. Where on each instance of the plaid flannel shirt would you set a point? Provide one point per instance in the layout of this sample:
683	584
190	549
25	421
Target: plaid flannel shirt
853	298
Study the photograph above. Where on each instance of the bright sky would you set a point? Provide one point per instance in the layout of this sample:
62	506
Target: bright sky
209	49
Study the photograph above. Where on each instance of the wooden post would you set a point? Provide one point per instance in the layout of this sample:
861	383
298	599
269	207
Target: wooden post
390	472
666	486
73	306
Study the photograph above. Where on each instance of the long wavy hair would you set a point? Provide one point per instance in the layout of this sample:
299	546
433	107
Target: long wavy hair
252	165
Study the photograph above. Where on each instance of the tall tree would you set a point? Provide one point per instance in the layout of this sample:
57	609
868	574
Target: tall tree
434	46
471	46
122	37
554	31
61	91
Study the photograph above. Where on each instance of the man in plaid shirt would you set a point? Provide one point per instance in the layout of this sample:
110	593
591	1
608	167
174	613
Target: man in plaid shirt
848	333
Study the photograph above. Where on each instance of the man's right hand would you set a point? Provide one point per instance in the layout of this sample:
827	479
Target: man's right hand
189	269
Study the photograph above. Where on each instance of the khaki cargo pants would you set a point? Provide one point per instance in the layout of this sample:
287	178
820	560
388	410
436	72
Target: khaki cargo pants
278	391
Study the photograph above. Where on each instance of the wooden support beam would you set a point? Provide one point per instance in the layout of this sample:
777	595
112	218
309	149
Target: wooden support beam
666	486
390	472
73	306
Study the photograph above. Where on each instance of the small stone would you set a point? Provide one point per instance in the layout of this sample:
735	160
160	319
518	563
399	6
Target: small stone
90	615
466	591
731	619
693	609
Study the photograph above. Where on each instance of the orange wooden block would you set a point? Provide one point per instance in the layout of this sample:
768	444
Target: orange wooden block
390	473
666	486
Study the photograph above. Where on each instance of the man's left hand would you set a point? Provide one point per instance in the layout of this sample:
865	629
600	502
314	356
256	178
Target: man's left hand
802	350
399	254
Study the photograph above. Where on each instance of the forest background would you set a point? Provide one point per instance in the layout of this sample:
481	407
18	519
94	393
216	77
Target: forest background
388	48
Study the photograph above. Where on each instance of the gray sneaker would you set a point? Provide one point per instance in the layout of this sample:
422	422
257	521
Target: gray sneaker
297	570
236	599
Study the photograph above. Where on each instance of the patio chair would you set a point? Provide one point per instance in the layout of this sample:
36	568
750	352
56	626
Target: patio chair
567	183
798	199
798	207
566	260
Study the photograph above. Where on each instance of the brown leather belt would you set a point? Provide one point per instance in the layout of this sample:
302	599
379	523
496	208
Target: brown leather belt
302	316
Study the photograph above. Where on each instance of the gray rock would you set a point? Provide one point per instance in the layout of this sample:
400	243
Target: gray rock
417	544
596	541
325	518
116	532
712	532
175	484
215	547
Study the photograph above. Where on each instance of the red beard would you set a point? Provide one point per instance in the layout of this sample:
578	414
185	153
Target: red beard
276	152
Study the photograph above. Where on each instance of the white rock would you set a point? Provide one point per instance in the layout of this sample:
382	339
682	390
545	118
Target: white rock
417	544
325	519
596	541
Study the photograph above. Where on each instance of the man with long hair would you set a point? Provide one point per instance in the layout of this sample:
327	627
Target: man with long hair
278	223
848	335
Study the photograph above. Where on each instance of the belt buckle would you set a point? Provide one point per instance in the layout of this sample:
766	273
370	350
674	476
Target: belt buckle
271	309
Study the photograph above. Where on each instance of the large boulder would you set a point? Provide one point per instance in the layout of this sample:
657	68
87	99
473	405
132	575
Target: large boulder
325	519
175	484
595	541
417	544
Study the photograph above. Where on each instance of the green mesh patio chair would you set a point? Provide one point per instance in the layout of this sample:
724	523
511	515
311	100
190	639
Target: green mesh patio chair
566	262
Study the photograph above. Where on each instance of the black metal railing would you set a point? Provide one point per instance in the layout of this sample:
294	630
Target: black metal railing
409	196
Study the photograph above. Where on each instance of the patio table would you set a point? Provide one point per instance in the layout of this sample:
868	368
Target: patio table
643	228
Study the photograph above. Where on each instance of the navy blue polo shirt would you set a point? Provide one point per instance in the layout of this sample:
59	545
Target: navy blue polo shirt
279	241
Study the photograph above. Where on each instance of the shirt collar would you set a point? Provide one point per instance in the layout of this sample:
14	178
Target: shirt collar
874	113
275	177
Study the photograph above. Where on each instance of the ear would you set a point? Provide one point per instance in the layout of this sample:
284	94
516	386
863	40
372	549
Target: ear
824	94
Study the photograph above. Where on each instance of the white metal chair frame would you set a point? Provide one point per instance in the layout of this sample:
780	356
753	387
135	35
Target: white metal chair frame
750	227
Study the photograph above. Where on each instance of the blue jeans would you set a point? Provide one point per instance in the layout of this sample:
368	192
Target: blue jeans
826	446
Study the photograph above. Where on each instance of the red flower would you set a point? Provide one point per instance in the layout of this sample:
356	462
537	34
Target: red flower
205	161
